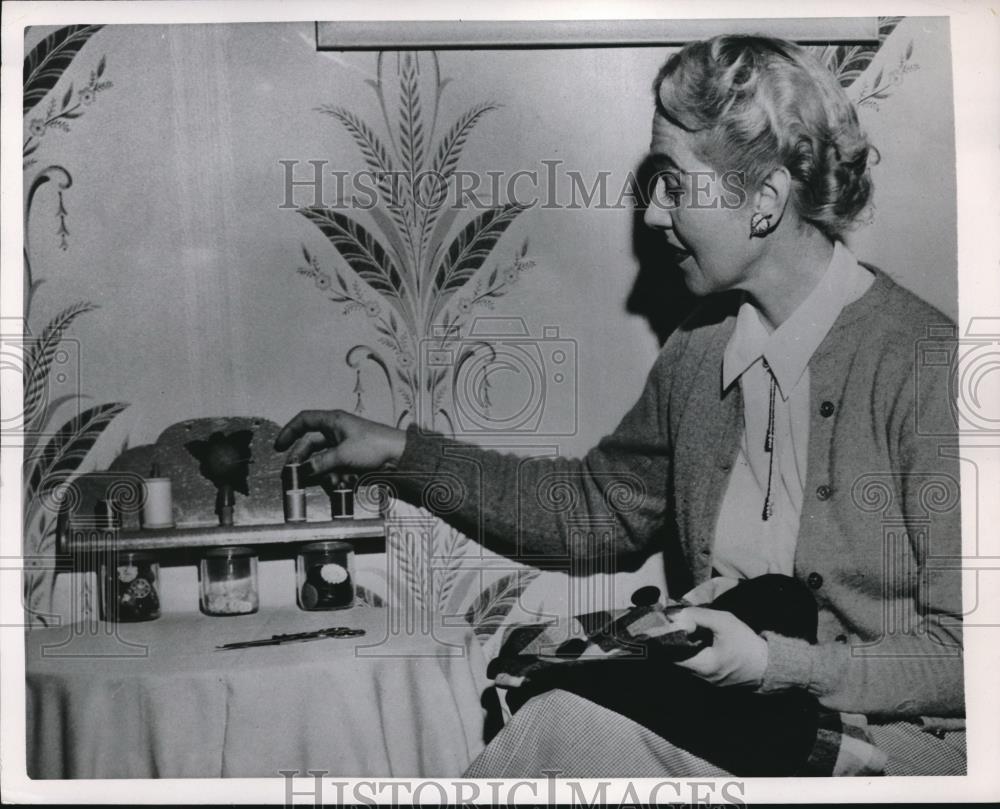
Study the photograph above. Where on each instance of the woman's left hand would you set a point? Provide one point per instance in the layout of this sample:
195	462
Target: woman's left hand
737	656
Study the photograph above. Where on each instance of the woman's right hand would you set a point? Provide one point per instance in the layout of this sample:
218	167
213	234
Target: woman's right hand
339	443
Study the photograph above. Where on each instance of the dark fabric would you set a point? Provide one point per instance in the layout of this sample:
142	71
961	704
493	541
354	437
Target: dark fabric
745	733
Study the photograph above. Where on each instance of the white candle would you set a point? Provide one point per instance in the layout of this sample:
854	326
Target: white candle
158	510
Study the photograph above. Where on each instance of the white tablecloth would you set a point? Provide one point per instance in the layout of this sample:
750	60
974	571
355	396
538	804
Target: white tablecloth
170	706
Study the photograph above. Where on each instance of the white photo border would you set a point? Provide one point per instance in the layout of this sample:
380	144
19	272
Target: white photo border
975	33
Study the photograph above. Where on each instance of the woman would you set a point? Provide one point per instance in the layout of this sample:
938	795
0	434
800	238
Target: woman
783	428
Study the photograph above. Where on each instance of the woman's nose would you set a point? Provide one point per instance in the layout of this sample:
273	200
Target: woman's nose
657	216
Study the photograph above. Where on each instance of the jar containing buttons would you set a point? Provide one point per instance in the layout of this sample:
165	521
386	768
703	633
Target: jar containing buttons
129	581
229	581
324	572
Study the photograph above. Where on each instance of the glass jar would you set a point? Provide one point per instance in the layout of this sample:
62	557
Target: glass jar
128	587
324	574
229	582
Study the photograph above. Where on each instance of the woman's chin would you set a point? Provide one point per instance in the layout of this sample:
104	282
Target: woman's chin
693	279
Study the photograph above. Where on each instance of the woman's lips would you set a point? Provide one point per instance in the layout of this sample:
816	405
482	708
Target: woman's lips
678	253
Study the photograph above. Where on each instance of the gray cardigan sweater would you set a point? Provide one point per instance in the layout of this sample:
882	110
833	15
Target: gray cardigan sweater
879	538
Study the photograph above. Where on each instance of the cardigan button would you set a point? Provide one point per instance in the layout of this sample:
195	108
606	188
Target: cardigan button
823	492
826	409
814	580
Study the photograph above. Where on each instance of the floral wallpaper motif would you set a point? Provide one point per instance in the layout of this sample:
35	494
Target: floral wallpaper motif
53	453
848	62
419	285
415	283
43	68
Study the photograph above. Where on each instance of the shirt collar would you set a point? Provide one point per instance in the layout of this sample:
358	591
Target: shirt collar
788	349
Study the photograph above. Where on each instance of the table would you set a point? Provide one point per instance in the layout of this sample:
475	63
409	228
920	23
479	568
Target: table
156	700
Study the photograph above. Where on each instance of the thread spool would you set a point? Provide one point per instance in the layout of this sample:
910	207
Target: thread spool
290	476
295	505
158	509
294	494
108	514
343	502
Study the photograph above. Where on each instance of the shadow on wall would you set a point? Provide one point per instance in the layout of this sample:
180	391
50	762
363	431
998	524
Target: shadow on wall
658	294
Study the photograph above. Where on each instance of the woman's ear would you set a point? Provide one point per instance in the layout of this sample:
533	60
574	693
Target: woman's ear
772	196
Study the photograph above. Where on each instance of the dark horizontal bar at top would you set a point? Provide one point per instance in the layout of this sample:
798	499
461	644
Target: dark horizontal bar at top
378	35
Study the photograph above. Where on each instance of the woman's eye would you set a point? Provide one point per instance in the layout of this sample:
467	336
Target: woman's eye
667	191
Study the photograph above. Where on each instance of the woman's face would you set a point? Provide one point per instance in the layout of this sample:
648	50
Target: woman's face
703	214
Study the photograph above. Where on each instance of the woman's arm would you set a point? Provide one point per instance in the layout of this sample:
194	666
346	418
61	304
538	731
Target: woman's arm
608	504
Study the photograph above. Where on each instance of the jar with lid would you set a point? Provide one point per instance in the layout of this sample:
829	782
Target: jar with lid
229	581
324	573
129	581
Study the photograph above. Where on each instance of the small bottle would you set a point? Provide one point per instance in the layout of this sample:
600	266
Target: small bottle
128	587
324	572
225	504
229	582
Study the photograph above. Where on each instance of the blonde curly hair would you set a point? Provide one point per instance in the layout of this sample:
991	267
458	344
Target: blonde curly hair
756	103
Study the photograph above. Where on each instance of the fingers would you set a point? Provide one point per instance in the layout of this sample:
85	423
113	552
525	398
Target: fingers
306	446
705	664
737	656
323	463
689	619
504	680
323	421
681	621
713	620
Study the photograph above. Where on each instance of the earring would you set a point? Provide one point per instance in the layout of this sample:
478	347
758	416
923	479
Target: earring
760	224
